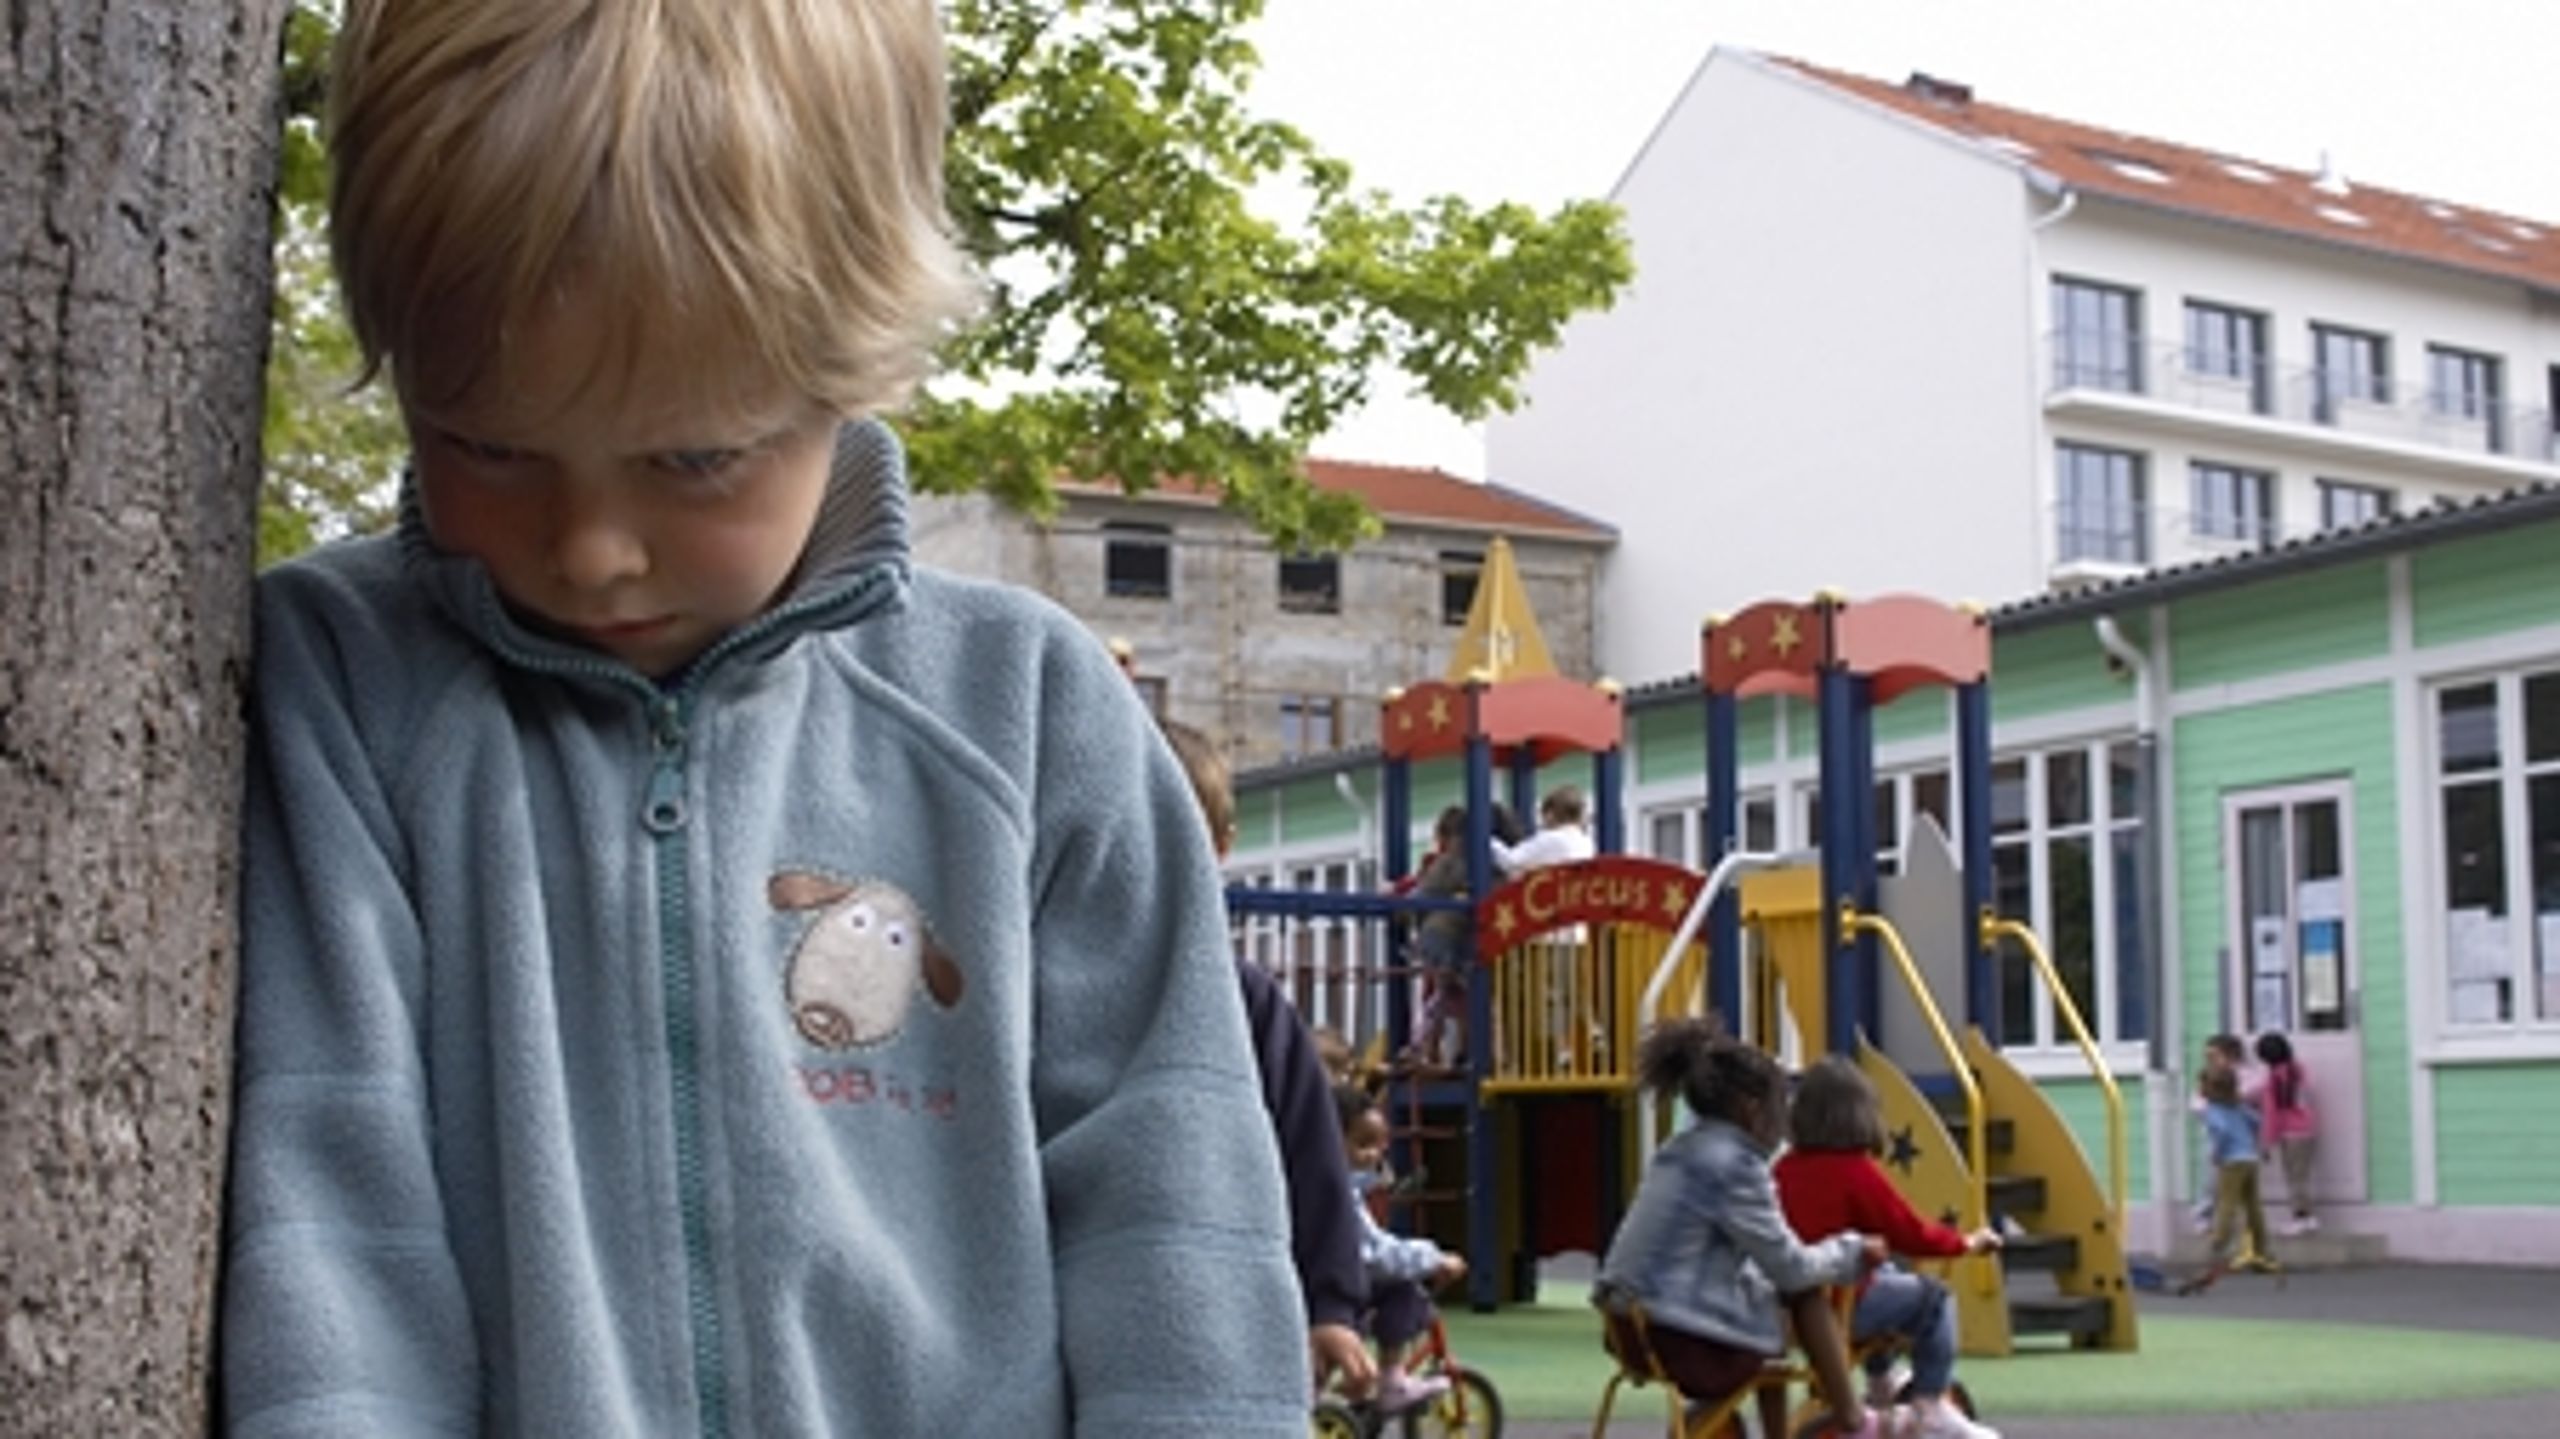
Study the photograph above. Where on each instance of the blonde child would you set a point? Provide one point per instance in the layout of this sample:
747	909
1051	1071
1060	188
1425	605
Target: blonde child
1829	1183
1704	1247
2288	1126
1402	1272
702	974
2231	1129
2221	1052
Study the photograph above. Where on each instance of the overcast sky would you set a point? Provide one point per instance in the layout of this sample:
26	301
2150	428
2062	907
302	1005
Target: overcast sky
1545	100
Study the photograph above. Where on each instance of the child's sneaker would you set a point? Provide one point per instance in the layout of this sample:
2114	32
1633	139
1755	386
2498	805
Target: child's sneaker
1946	1421
1399	1391
1883	1389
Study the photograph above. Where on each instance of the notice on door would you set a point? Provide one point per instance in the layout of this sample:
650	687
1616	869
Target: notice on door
2323	964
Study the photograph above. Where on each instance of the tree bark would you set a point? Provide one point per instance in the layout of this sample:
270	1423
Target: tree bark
137	167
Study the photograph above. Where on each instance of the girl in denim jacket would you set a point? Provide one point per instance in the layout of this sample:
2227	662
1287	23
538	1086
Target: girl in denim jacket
1704	1247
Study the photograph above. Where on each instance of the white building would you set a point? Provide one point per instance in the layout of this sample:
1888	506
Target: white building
1889	337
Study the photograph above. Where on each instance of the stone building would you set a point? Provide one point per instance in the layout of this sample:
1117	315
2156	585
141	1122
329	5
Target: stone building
1283	656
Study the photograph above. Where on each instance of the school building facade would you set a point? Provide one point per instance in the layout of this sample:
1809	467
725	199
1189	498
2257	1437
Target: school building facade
2313	788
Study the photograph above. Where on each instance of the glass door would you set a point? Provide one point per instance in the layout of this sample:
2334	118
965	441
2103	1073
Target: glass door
2291	958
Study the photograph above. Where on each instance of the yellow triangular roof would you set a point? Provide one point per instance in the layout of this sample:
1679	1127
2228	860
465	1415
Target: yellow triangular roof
1502	636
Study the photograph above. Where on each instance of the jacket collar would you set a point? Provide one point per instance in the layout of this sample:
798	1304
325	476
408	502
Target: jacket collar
858	562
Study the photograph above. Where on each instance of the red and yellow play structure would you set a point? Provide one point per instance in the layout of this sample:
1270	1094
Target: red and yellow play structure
1805	954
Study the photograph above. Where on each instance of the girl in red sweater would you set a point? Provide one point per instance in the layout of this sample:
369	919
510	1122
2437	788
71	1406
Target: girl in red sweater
1828	1181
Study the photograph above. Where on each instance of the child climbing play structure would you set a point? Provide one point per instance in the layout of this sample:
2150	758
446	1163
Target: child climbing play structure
1805	954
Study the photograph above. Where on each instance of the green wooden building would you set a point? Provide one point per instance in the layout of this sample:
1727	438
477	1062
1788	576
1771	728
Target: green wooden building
2312	788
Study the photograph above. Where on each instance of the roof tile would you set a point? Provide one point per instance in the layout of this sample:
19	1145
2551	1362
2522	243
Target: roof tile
1414	495
2162	175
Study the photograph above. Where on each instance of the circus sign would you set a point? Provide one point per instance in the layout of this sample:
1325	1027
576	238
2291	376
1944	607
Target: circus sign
1613	889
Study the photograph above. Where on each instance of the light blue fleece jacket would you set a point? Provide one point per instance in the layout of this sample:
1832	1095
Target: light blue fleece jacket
1706	1249
839	1039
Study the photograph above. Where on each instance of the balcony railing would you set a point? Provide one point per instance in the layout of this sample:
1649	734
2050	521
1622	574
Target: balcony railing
2102	532
2114	540
2303	395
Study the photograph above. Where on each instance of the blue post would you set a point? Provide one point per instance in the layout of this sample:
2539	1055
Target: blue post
1973	787
1398	858
1842	1004
1860	803
1609	835
1723	837
1484	1241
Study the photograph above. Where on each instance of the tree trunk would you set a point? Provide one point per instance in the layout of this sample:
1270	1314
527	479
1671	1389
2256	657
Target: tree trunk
137	158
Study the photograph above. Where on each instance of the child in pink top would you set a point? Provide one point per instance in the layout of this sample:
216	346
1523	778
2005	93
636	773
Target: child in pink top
2287	1125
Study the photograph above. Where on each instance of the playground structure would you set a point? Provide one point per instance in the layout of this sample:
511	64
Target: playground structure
1804	954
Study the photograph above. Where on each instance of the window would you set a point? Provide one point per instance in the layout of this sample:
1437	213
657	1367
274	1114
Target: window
2349	365
1137	560
2097	336
1901	799
2344	503
1666	835
2100	502
1311	584
2498	791
1151	691
2066	857
1309	725
1678	834
2229	344
2465	386
1889	790
1459	571
2234	504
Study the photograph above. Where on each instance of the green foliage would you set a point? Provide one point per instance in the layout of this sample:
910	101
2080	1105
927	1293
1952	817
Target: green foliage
1146	317
333	450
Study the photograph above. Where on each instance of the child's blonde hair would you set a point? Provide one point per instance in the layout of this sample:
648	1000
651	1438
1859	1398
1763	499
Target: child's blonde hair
768	172
1210	782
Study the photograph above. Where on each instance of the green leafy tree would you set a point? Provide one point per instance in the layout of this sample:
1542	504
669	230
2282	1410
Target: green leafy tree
332	450
1177	286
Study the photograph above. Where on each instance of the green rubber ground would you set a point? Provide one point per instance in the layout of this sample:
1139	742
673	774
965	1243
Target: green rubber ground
1546	1361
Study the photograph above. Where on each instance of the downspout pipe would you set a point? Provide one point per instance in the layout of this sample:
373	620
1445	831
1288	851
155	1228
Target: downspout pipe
1361	811
2146	739
2149	859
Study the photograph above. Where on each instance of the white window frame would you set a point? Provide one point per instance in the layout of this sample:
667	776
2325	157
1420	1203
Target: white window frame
2385	501
2525	1033
1692	816
2051	1040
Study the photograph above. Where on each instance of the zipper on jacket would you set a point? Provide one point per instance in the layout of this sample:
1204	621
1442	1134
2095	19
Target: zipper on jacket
664	815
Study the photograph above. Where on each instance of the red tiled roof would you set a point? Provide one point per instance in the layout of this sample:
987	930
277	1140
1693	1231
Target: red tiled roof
1412	495
2224	187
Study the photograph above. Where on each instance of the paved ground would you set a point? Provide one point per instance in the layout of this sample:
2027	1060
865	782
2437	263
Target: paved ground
2524	1303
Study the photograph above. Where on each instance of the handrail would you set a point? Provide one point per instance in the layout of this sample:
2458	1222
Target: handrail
1726	870
1723	874
1977	1133
1995	929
